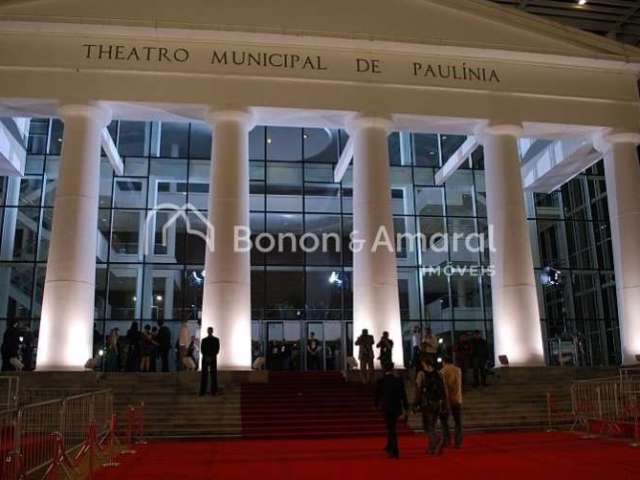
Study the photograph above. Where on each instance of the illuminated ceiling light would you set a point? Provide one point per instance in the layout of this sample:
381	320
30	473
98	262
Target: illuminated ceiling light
582	2
269	141
159	298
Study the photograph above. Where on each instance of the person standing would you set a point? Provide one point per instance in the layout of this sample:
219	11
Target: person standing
479	357
386	350
452	378
365	355
416	343
429	399
164	345
10	346
146	348
209	348
430	345
313	353
184	339
462	352
133	352
391	397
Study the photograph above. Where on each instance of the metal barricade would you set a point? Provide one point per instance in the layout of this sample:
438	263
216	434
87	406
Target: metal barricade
9	391
33	435
34	438
607	405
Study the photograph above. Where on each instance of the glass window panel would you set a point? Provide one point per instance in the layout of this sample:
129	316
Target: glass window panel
257	293
423	176
463	243
401	190
257	143
174	139
580	244
586	295
320	145
20	233
477	158
52	167
393	141
38	136
257	227
552	243
285	230
481	194
284	187
429	201
195	246
162	299
284	144
100	303
324	294
199	184
425	148
449	144
30	191
466	296
285	295
192	303
318	173
459	193
168	182
34	165
136	166
603	248
134	139
55	137
436	305
169	239
257	196
104	233
126	235
124	296
200	140
106	183
347	230
16	290
45	233
257	171
433	241
322	197
327	229
409	294
130	192
405	240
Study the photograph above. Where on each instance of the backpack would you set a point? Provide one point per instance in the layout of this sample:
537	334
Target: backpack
432	394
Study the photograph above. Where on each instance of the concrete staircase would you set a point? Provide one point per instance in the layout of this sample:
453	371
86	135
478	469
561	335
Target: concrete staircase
314	404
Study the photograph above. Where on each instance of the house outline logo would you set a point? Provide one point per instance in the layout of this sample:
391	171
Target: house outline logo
178	212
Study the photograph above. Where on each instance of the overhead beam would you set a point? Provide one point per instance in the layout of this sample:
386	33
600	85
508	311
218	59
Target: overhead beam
112	152
343	162
456	159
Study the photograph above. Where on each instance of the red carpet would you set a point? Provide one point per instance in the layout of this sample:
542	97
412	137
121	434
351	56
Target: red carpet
541	456
309	405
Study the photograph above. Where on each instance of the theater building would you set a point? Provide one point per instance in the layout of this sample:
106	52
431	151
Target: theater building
127	128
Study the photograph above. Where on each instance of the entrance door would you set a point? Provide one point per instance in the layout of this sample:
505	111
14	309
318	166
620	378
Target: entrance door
329	338
282	345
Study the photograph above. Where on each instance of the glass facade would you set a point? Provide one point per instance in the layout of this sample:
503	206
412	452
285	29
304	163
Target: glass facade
296	292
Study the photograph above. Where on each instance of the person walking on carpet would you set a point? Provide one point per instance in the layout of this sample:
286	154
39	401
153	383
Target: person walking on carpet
391	397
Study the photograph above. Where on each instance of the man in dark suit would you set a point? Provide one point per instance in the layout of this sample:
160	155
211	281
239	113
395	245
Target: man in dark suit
209	348
164	344
392	397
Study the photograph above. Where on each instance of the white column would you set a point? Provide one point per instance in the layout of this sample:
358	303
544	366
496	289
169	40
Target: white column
376	305
226	304
516	316
66	324
622	174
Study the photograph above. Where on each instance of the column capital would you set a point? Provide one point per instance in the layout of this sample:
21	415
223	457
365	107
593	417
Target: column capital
242	116
99	113
496	128
358	122
604	141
